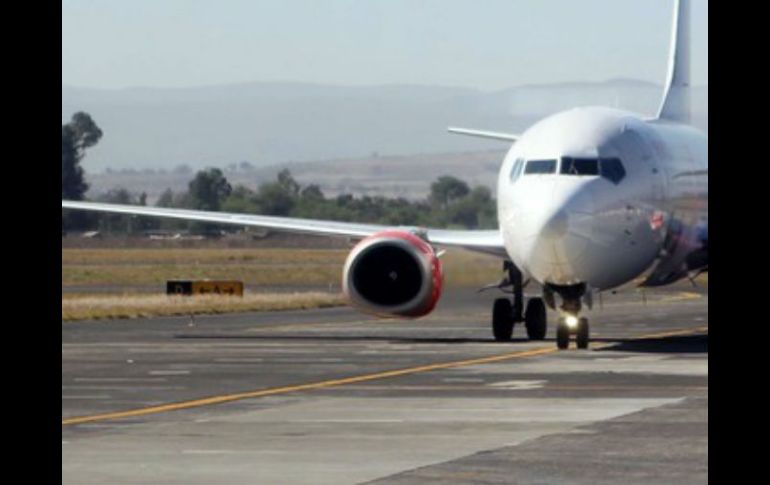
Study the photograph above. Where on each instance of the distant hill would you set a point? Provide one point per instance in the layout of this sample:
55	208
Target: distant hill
271	123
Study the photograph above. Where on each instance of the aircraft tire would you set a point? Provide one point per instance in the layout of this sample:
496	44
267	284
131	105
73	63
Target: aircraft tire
582	334
502	320
562	335
536	319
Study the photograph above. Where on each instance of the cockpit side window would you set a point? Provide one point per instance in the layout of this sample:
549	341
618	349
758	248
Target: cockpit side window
579	166
540	167
516	171
612	169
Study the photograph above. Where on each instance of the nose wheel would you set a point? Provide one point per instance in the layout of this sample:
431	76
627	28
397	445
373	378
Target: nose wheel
570	325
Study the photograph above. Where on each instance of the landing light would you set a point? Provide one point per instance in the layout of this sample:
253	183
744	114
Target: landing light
571	321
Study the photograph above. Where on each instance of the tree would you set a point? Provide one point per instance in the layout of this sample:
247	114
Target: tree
486	207
166	199
447	190
287	182
76	136
275	200
209	189
280	197
312	193
124	223
241	200
115	222
207	192
475	210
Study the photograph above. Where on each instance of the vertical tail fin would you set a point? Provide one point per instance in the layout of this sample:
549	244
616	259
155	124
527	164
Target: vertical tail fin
676	100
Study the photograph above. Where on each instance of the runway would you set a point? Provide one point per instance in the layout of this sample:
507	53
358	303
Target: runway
334	397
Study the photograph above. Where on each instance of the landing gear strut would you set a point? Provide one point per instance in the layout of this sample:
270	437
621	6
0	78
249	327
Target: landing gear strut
507	313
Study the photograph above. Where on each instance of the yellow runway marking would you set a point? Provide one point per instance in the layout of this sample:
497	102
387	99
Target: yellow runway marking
673	333
653	336
682	296
302	387
395	322
209	401
298	326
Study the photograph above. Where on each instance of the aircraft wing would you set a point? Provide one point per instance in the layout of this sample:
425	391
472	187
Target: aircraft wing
486	241
492	135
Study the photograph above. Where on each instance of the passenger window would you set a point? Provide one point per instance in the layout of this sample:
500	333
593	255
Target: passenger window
612	169
540	167
579	166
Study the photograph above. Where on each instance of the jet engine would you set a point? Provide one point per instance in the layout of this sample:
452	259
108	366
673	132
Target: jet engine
393	274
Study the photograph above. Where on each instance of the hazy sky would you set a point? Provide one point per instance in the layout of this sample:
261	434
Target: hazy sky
488	44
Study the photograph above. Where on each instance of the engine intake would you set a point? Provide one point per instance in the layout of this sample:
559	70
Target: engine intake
393	273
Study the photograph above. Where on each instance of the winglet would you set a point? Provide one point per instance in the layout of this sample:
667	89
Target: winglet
492	135
676	100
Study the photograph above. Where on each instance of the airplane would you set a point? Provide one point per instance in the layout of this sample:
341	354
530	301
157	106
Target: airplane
589	199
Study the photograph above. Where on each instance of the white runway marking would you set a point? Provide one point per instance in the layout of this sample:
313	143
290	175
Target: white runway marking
208	452
306	360
119	379
519	385
349	421
123	388
239	361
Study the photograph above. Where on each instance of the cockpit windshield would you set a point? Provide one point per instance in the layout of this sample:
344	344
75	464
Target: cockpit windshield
540	167
609	168
579	166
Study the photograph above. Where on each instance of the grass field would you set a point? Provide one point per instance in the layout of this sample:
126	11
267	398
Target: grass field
93	307
134	277
255	267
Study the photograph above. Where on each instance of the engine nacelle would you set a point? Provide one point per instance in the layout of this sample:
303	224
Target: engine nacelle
394	274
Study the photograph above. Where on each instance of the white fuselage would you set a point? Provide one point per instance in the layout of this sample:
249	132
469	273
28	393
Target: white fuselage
645	219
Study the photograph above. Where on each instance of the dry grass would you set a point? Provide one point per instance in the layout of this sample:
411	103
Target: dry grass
90	307
132	270
255	267
258	256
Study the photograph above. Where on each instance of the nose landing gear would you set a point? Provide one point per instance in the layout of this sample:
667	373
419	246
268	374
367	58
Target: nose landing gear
571	325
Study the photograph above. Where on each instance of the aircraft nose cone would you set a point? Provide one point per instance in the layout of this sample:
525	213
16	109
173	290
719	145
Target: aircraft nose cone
557	226
558	234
